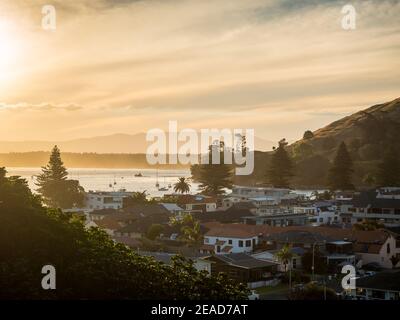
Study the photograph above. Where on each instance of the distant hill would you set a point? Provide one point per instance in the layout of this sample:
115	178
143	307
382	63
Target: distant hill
116	143
367	134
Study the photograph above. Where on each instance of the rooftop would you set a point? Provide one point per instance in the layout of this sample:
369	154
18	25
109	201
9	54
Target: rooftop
243	260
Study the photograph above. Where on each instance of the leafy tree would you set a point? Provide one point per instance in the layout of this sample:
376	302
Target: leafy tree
89	264
135	199
190	228
54	187
154	231
214	178
308	135
320	266
285	255
281	167
389	169
182	185
339	177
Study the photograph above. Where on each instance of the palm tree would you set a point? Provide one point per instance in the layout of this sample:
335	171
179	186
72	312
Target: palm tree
285	256
182	185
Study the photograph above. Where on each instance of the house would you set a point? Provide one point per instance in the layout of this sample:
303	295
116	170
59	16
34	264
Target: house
243	268
100	214
262	196
377	246
270	255
234	214
173	208
245	192
339	253
281	219
97	200
111	222
221	240
142	210
339	245
319	213
141	225
381	205
229	201
380	286
197	203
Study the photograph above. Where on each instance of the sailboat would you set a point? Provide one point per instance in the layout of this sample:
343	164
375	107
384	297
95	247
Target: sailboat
157	184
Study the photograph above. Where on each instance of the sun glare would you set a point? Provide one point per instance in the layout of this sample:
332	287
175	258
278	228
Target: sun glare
9	49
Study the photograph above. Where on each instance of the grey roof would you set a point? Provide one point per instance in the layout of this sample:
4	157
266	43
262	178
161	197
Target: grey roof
147	209
368	199
244	260
298	236
171	206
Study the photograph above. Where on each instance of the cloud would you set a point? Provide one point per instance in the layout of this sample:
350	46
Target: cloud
257	61
45	107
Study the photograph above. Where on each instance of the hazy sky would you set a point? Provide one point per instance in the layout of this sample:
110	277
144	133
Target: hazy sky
278	66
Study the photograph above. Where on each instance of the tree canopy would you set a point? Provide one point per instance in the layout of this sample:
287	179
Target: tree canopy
340	173
280	169
389	169
182	185
57	191
215	178
88	263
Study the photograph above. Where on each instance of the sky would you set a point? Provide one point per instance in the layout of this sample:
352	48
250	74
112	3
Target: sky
277	66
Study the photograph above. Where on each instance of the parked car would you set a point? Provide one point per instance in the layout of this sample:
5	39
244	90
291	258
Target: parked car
372	266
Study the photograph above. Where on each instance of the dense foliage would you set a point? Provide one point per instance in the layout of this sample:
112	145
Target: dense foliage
89	265
182	185
214	178
389	169
56	190
280	169
340	173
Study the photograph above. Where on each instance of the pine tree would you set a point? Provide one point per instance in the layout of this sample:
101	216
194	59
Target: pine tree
389	169
339	176
54	187
280	170
214	178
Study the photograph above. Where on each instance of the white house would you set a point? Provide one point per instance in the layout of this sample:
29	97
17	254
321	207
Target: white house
232	240
98	200
377	246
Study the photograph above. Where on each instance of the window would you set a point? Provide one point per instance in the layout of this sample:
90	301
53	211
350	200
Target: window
388	248
230	241
218	248
294	263
248	243
206	240
240	243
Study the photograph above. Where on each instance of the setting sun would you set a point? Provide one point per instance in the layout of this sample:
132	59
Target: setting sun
9	49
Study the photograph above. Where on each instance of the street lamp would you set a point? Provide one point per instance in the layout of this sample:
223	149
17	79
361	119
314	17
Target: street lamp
313	254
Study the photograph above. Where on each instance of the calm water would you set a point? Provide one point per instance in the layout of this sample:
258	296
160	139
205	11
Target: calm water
114	179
